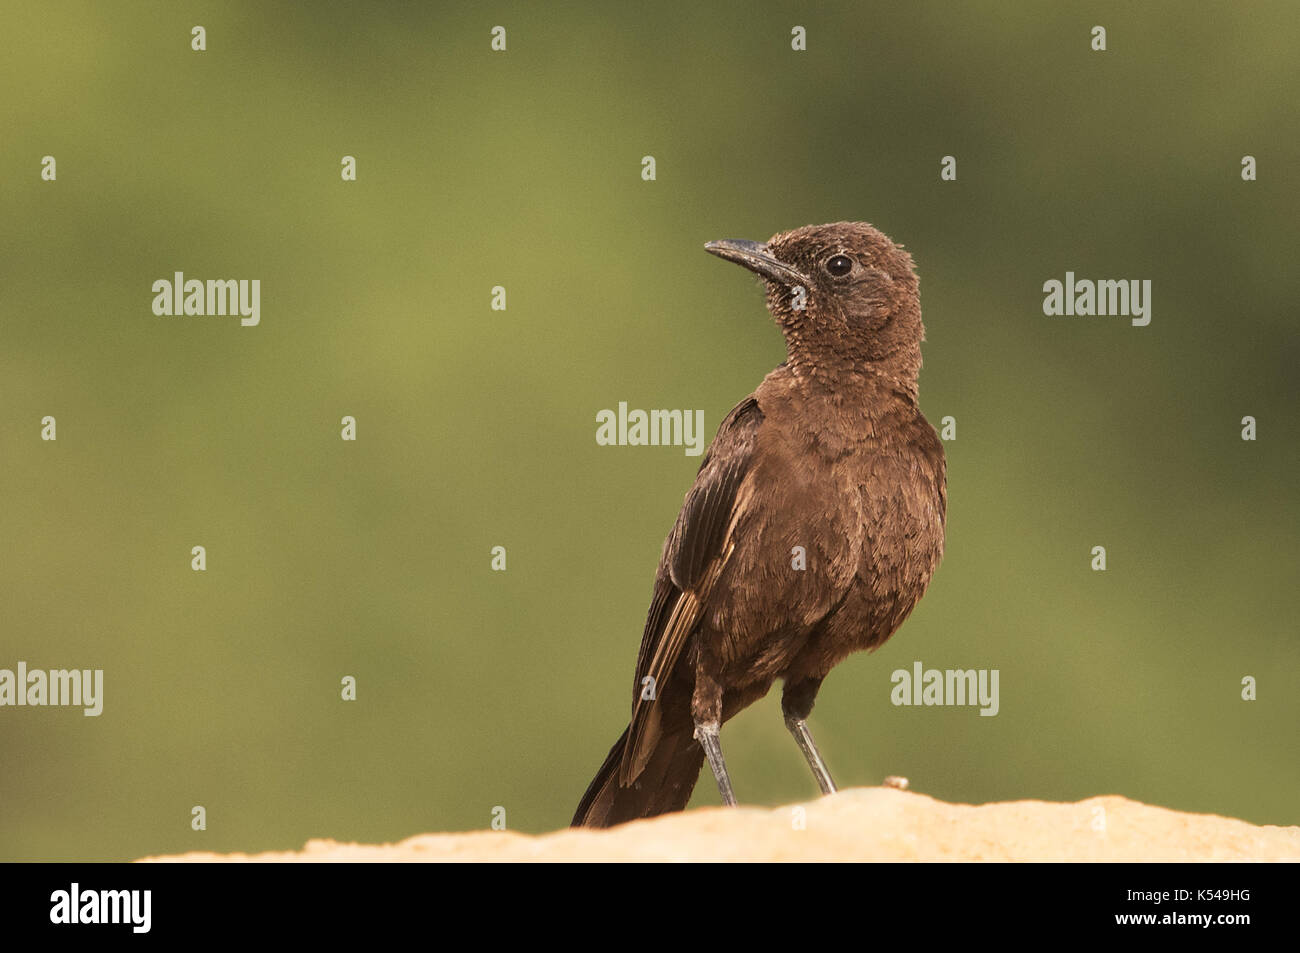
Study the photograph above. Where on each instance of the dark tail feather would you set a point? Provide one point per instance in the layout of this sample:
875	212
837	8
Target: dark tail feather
665	784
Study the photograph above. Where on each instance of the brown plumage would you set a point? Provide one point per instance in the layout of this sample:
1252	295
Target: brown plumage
832	454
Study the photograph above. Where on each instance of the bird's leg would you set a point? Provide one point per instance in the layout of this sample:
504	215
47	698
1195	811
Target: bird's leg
706	711
796	704
707	735
799	728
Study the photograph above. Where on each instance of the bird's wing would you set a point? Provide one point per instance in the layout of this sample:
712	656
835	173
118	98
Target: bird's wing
696	551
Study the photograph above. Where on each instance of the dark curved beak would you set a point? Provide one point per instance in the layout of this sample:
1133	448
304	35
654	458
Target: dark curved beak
758	258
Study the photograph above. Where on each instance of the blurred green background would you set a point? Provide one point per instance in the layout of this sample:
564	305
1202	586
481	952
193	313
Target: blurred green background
476	427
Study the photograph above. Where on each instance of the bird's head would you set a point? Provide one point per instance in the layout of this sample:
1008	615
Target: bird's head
843	294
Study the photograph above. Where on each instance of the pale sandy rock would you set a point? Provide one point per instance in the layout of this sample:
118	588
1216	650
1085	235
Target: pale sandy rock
880	824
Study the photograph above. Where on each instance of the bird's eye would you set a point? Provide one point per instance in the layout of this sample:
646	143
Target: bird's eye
839	265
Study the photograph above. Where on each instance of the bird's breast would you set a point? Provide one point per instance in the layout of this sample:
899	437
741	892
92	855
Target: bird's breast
902	493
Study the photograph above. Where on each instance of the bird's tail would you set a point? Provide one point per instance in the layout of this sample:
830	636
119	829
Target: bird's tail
664	785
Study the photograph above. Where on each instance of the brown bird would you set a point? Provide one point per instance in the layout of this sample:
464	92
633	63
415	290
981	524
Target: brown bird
812	530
